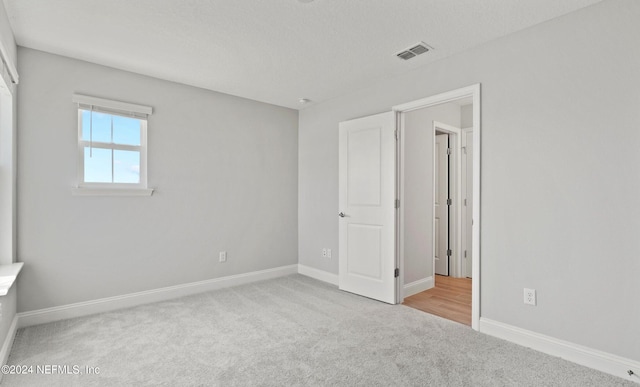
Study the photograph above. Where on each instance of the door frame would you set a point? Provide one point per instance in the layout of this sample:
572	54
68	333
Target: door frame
464	235
455	220
472	91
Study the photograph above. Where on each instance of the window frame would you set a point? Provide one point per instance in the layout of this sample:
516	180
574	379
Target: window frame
113	108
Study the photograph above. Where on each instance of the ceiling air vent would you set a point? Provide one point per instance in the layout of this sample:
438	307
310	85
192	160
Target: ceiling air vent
406	55
415	50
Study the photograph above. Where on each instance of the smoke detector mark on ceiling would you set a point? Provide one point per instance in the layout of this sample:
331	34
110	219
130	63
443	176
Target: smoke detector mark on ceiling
413	51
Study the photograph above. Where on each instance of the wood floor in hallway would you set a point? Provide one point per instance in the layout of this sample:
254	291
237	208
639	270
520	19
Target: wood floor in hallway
450	298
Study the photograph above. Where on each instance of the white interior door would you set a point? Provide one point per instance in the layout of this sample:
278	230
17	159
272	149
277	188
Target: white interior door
367	192
467	192
441	208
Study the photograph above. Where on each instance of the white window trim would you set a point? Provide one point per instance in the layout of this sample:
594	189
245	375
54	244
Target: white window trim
123	107
78	191
114	108
8	275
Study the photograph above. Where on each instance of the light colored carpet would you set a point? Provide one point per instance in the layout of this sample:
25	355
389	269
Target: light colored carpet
291	331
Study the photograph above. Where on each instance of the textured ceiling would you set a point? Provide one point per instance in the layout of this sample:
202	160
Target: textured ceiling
274	51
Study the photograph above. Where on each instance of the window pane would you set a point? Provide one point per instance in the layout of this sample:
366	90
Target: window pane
101	126
126	166
126	130
97	165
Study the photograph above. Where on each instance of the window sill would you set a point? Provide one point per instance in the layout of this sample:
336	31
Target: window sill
8	275
76	191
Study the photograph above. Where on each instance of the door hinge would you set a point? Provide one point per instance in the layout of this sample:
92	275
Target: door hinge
397	203
396	273
448	151
464	150
395	132
449	202
449	252
465	202
465	253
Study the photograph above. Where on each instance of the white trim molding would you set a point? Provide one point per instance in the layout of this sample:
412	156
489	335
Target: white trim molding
8	342
449	96
418	286
8	275
111	104
84	191
588	357
63	312
6	62
320	275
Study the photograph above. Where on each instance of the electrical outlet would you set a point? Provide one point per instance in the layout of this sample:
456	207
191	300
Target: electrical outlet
328	253
324	253
530	296
223	256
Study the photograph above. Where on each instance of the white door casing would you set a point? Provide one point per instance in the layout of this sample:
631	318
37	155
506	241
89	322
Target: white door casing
467	192
367	194
440	206
455	196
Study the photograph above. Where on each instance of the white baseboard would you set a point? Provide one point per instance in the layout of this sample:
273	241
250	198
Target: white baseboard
8	342
588	357
43	316
320	275
418	286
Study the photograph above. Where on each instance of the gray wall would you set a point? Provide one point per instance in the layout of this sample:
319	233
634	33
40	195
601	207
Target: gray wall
224	169
6	35
418	187
558	208
466	113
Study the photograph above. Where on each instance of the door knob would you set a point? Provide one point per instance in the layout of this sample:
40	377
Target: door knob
342	215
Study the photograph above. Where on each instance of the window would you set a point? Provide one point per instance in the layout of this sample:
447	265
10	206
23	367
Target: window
112	144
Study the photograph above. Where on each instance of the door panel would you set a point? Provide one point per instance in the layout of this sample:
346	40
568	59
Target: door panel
364	257
367	206
363	166
441	210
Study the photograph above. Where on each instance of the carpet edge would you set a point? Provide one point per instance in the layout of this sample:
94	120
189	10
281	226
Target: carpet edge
85	308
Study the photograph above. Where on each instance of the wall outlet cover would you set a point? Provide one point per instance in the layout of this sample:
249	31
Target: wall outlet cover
530	296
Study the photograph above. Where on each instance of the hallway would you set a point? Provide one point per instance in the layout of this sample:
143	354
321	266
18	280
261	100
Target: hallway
450	298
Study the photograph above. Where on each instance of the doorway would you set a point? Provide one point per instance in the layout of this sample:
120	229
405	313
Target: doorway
442	204
450	296
452	234
446	203
375	206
